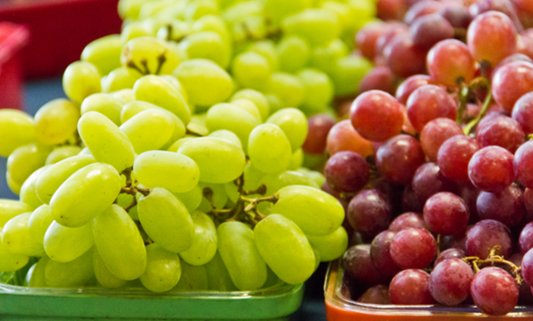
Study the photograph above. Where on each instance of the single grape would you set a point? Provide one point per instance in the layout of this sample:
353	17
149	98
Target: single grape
458	16
485	235
347	172
450	63
454	155
428	30
359	268
413	248
410	287
501	131
494	291
380	253
404	58
399	158
520	75
449	282
446	213
369	212
523	161
491	169
428	181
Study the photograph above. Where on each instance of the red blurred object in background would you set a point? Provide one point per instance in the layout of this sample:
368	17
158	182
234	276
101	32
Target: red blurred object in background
12	38
59	30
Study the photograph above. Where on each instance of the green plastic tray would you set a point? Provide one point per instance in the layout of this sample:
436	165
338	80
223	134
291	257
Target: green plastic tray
21	303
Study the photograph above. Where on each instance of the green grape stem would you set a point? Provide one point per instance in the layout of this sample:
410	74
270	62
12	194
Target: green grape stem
486	104
493	259
131	189
463	100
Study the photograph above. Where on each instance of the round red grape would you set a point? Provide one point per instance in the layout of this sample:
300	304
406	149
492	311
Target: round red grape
369	212
523	112
485	235
411	84
450	63
491	169
413	248
427	30
367	37
347	172
454	155
358	266
380	253
494	291
429	181
500	130
404	58
410	287
449	282
506	206
512	81
446	213
428	103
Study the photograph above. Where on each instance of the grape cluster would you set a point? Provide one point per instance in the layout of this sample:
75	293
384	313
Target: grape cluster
436	174
176	161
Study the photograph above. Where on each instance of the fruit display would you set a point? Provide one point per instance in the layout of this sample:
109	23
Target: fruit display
433	161
175	163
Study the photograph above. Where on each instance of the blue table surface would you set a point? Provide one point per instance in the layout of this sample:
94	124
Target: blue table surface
37	93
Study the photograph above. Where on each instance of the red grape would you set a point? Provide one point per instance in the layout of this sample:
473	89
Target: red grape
506	206
347	172
523	113
426	31
449	282
526	296
491	169
422	8
380	253
454	155
450	62
367	37
399	158
485	235
446	213
404	58
494	291
503	6
524	10
343	137
376	116
523	163
491	37
525	241
379	78
408	220
319	127
501	131
411	84
428	181
452	253
391	9
413	248
369	212
428	103
458	16
393	30
512	58
358	266
378	294
512	81
410	287
435	133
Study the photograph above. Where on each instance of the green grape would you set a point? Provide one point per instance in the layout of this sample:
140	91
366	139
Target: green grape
197	9
62	152
240	10
293	123
316	177
149	55
159	92
314	211
15	187
16	237
10	261
163	270
366	10
348	73
269	149
252	177
227	136
191	199
274	102
174	31
318	89
267	49
152	8
275	182
16	130
175	172
28	193
211	23
25	160
65	244
85	195
80	80
177	144
125	94
95	128
166	220
136	29
129	8
218	276
317	26
345	14
251	69
324	57
52	178
219	197
257	98
289	89
204	244
175	83
219	160
249	106
102	273
297	159
330	246
120	78
232	118
193	278
37	278
293	53
104	53
278	9
207	45
284	248
205	82
73	274
106	104
119	243
237	248
39	222
10	209
148	130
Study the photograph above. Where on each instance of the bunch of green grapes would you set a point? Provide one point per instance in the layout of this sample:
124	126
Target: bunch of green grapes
176	162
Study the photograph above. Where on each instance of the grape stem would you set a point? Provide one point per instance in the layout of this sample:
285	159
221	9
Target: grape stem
493	259
486	104
463	100
438	245
193	133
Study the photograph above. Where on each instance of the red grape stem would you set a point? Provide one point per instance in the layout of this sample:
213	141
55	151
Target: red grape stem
486	104
493	258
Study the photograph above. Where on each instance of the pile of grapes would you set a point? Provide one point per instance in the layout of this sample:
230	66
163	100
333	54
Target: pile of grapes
176	162
438	180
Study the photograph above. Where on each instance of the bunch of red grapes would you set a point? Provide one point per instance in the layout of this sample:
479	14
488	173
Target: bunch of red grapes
438	178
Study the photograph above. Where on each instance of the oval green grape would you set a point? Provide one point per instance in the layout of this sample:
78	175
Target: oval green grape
10	261
10	209
16	130
148	130
204	244
330	246
39	222
293	123
65	244
163	270
269	149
